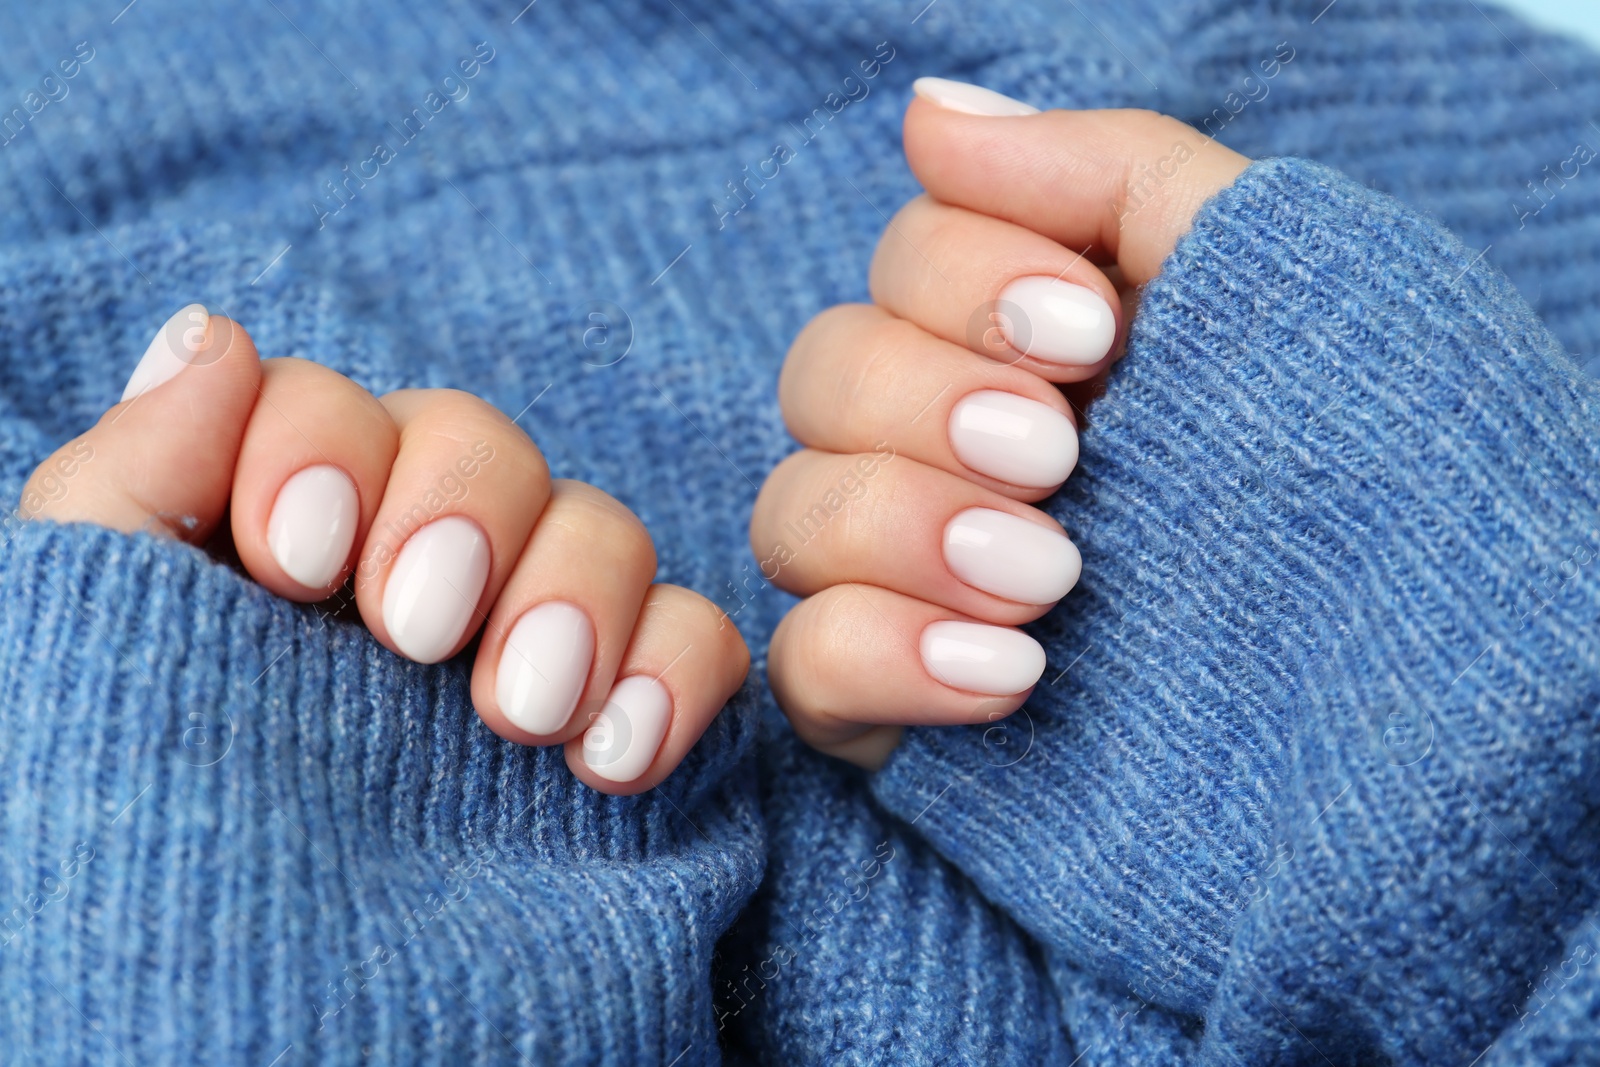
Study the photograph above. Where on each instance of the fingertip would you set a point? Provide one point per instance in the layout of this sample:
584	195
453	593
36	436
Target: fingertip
682	666
967	99
311	471
623	742
190	338
166	451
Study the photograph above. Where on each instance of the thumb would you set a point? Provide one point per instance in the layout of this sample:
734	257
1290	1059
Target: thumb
1123	184
162	458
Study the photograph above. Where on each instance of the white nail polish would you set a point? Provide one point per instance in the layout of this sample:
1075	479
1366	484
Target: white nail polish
1056	321
981	659
313	525
543	667
1010	556
172	349
969	99
433	589
1017	440
622	742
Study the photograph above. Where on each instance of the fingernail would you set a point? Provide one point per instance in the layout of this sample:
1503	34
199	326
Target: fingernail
172	349
981	659
1017	440
313	525
969	99
625	735
1010	556
543	667
1057	321
433	590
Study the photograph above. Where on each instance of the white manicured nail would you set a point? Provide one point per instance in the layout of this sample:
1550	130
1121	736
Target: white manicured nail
625	735
969	99
1056	321
172	349
432	592
981	659
313	525
543	666
1010	557
1014	439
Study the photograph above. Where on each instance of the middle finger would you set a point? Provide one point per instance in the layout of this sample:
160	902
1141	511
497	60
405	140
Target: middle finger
822	519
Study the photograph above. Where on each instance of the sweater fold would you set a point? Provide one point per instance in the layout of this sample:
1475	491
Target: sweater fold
1309	776
1311	688
240	827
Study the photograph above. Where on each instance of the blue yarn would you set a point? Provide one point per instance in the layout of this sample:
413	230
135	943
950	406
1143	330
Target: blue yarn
1311	777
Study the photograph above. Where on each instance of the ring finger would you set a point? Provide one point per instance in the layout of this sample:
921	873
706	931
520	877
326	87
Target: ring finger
557	633
822	519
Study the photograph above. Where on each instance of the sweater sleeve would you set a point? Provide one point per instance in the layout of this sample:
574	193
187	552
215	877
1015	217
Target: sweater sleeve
239	830
235	828
1313	768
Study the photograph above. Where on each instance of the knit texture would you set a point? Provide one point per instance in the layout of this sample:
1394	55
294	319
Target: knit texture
1312	779
1352	784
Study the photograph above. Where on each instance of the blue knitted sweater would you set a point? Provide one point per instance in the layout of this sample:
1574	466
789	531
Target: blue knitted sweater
1314	776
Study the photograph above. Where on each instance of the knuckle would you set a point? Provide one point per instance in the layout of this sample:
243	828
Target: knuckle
840	319
290	383
727	643
599	517
827	627
909	215
892	241
881	366
293	374
51	480
813	655
777	489
789	658
946	235
813	359
843	504
1136	127
820	517
468	422
465	409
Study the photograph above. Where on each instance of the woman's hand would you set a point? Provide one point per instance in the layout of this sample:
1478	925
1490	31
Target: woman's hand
932	417
441	515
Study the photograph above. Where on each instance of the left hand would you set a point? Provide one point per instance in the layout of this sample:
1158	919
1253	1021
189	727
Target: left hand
931	420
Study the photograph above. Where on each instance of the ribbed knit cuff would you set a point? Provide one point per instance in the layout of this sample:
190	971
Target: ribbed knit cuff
229	819
1335	508
863	946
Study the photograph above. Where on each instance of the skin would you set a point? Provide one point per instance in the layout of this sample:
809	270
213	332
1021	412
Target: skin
221	438
1043	194
1005	198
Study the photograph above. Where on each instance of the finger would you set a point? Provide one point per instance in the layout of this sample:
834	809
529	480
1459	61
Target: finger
856	658
997	288
858	378
311	472
1125	183
162	458
682	665
822	519
557	633
463	494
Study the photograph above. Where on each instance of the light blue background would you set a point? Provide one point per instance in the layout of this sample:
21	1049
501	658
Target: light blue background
1580	17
